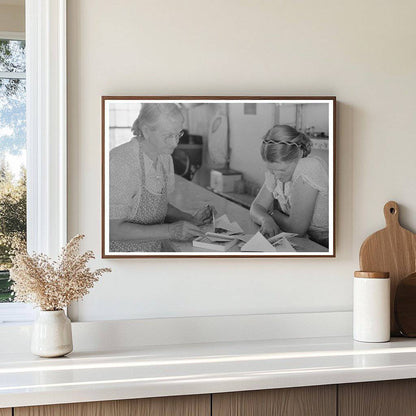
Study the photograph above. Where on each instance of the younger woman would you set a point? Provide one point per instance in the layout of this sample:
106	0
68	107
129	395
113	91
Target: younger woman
294	196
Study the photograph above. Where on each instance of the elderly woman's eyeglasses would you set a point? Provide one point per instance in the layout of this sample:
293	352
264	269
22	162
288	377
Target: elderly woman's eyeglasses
176	136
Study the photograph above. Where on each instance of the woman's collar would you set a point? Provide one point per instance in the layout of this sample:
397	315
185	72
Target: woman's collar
149	153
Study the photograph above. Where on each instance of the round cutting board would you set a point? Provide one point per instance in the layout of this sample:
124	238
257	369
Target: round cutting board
393	250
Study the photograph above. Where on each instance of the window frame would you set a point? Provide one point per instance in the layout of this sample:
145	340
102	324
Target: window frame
12	35
46	126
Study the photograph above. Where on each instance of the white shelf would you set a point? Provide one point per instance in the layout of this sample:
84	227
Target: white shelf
167	370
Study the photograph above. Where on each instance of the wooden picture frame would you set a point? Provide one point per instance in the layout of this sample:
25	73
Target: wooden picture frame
218	163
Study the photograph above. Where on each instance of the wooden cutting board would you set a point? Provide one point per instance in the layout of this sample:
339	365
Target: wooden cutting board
393	250
405	306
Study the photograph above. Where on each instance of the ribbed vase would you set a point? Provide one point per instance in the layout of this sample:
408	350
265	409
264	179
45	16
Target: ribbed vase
52	334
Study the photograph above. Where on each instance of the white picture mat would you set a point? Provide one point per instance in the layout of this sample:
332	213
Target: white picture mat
331	159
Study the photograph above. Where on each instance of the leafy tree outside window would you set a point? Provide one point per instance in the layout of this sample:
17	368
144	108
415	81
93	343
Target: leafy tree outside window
12	154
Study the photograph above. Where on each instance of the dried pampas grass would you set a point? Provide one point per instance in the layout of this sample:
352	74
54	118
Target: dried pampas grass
52	285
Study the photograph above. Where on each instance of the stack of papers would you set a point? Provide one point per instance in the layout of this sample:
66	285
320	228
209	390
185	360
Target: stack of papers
279	243
227	234
223	223
213	243
224	235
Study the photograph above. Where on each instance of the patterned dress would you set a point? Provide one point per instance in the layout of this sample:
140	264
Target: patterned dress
146	207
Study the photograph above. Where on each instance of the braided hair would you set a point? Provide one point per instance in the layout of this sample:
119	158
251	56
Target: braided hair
283	143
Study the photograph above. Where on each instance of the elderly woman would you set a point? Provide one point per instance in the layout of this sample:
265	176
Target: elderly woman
296	182
141	178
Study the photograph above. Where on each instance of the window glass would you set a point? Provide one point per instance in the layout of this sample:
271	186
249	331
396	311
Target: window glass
12	55
122	117
12	155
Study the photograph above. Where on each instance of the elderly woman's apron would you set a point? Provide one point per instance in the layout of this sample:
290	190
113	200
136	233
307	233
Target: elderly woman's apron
149	209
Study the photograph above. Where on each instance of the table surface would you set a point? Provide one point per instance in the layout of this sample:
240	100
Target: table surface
189	196
151	371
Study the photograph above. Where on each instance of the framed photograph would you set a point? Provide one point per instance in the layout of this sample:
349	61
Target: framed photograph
218	177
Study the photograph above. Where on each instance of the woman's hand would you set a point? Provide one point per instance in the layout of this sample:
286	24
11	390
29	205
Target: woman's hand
183	231
204	215
268	227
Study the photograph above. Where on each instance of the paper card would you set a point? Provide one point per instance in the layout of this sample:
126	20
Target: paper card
283	246
278	237
219	237
224	223
235	228
258	243
243	237
206	243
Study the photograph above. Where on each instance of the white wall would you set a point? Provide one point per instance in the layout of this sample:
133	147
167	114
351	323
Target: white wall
246	132
12	18
315	115
360	51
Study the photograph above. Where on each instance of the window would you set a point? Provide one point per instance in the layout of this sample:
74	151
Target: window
122	117
45	127
12	154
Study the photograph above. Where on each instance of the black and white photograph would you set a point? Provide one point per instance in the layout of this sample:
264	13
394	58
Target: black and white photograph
218	176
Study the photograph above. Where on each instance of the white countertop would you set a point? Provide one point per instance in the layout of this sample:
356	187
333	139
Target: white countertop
148	371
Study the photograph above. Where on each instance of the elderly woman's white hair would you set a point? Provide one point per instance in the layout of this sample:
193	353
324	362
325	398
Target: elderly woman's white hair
150	114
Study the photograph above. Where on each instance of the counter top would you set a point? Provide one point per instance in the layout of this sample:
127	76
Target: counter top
200	368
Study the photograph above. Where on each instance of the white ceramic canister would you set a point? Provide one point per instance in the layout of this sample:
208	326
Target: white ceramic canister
371	307
52	334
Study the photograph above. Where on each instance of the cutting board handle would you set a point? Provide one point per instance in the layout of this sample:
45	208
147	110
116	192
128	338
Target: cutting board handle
391	213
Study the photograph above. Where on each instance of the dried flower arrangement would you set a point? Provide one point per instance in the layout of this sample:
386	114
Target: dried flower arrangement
52	285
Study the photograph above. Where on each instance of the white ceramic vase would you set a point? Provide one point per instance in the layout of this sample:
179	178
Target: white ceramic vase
52	334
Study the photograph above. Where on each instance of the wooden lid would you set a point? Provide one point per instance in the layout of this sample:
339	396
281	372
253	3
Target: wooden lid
372	275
